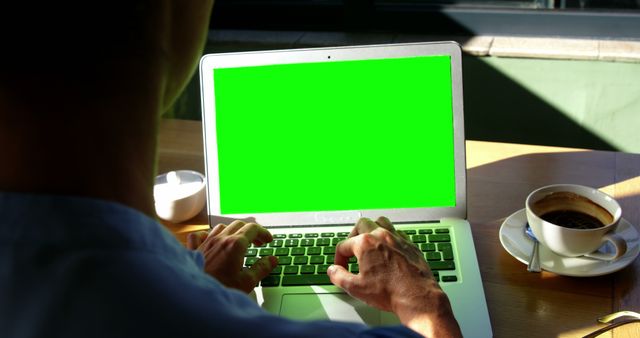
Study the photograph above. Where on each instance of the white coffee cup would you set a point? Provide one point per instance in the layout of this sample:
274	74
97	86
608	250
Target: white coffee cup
579	236
179	195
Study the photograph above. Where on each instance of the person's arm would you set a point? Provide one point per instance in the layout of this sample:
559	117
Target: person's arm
393	277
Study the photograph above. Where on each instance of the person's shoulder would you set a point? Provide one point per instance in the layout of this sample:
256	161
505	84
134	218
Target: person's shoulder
134	293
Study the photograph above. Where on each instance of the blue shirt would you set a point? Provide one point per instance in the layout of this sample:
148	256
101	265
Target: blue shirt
79	267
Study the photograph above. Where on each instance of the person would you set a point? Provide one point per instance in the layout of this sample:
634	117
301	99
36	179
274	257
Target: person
81	254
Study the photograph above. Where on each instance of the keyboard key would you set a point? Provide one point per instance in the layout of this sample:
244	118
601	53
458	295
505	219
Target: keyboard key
442	265
316	260
300	260
330	259
439	238
354	268
322	269
442	231
343	234
279	236
447	250
307	242
419	238
306	280
284	260
282	252
270	281
291	242
307	269
291	270
353	259
449	278
277	243
295	235
432	256
276	271
266	252
330	250
313	235
335	241
314	251
425	231
409	232
251	253
328	234
323	241
297	251
250	261
428	247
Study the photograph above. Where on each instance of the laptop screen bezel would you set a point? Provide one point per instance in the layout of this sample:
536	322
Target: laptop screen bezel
210	62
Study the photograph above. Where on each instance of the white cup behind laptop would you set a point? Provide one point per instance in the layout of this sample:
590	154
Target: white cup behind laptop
179	195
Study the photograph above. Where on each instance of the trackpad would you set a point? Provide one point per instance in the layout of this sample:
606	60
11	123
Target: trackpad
331	306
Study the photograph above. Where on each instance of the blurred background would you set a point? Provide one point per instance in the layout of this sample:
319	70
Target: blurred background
547	72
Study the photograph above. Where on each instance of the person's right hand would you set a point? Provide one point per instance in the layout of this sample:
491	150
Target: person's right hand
394	276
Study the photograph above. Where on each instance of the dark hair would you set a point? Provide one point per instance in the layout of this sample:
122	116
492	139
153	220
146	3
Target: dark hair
75	28
54	44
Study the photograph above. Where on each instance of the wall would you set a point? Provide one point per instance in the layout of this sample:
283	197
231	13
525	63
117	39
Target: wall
576	103
574	93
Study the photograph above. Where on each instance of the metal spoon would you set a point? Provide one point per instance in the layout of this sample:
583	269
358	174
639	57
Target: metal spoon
534	261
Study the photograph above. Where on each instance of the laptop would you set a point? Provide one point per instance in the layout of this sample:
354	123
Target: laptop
307	141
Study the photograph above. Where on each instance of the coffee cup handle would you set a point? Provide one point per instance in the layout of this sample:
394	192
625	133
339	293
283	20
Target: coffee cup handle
618	243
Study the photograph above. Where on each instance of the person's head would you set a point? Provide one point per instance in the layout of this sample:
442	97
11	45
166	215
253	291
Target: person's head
58	53
82	87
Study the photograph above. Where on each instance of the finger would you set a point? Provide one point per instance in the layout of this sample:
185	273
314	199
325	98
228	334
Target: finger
203	235
217	229
342	278
193	241
235	246
364	225
403	235
345	250
232	228
385	223
255	233
262	268
386	236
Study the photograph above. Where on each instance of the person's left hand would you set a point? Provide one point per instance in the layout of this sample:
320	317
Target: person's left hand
224	248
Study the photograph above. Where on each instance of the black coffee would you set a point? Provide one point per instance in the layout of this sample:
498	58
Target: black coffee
572	219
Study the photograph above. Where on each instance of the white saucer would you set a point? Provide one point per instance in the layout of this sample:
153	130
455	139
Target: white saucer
517	244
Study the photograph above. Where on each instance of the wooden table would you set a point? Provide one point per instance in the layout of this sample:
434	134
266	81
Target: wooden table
500	175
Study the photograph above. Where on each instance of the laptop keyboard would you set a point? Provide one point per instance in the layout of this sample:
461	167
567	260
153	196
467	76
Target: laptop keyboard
303	259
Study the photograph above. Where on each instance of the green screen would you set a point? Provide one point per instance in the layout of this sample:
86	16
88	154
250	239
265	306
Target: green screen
342	135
